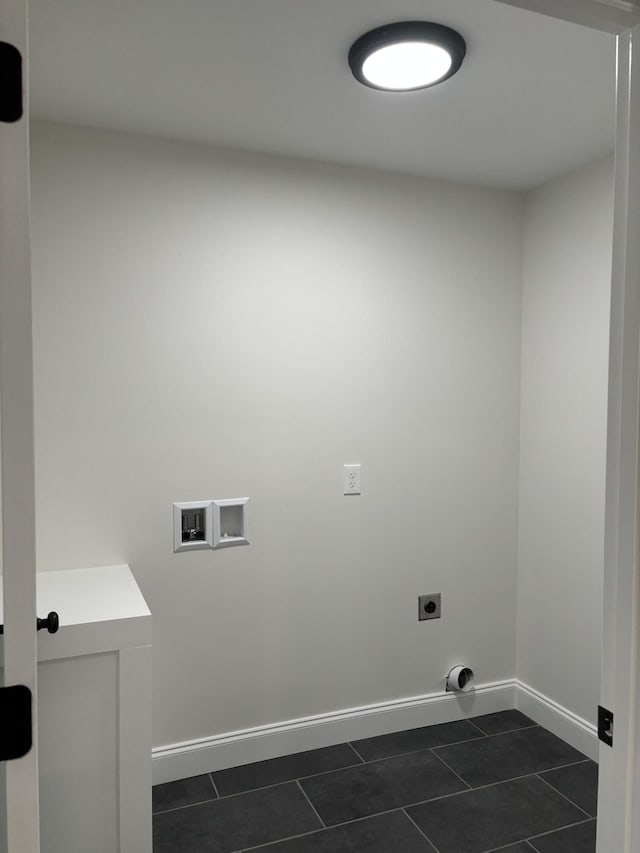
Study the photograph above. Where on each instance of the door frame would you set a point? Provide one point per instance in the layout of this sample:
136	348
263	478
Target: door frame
619	764
612	16
618	826
17	443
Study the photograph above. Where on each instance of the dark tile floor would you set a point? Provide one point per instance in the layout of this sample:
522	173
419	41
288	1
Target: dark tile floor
493	783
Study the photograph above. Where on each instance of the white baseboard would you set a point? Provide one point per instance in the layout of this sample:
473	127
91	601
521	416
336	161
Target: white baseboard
231	749
577	732
191	758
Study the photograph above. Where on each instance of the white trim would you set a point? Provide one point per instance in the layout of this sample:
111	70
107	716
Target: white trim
613	16
619	680
618	825
17	489
134	744
576	731
231	749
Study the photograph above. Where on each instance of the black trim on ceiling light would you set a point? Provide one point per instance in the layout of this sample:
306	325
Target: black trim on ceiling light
407	31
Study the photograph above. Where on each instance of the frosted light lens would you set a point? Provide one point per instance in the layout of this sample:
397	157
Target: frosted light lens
407	65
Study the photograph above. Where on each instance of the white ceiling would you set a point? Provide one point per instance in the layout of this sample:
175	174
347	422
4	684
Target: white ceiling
534	98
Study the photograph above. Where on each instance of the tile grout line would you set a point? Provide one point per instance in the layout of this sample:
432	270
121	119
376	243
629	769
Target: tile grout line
210	775
284	782
513	731
390	811
435	755
472	739
522	775
356	752
339	826
435	750
317	831
568	799
497	735
482	736
363	761
511	844
186	806
353	766
278	841
405	812
313	808
532	838
479	788
424	802
476	726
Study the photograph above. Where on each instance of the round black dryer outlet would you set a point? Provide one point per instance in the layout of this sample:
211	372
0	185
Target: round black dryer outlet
429	606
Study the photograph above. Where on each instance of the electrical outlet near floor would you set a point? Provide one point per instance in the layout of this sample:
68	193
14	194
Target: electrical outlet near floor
429	606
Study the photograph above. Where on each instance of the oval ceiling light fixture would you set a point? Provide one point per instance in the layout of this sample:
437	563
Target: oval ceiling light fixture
406	56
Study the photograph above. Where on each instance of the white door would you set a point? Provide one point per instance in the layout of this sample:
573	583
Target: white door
19	830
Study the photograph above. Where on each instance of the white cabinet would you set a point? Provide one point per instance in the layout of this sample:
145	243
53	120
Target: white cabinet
94	713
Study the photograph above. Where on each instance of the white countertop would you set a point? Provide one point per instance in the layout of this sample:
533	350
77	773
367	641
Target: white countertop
100	609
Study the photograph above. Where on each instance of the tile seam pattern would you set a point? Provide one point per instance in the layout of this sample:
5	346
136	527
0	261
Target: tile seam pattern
527	840
480	787
278	841
568	799
421	831
425	748
386	811
210	775
441	759
353	749
313	808
185	806
287	781
363	761
321	830
504	847
490	737
476	726
509	731
532	838
480	736
436	751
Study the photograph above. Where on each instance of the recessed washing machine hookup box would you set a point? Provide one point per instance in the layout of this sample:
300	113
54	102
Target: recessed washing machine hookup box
230	522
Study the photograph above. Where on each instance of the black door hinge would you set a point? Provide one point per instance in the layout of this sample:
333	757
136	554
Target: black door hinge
10	83
605	725
16	732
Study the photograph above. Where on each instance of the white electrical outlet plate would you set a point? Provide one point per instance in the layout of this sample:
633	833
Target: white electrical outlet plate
351	484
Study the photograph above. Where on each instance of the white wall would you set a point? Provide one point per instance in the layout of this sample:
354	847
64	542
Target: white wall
212	325
565	350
